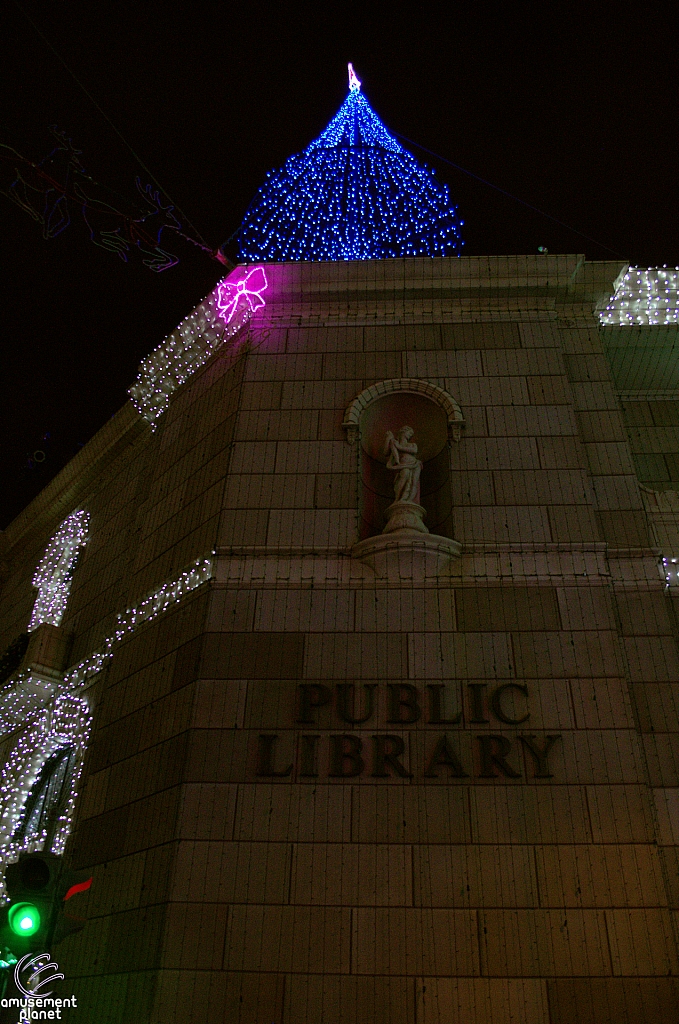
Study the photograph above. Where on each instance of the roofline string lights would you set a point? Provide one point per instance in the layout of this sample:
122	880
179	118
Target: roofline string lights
644	298
220	316
353	194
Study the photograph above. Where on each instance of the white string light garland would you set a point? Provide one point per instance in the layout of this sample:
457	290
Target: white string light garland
671	570
187	349
55	572
24	695
170	593
644	297
68	720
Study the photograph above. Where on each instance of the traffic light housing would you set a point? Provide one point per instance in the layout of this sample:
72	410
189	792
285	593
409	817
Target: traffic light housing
30	884
38	886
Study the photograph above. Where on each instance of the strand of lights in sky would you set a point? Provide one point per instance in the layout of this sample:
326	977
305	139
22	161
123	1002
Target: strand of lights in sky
354	194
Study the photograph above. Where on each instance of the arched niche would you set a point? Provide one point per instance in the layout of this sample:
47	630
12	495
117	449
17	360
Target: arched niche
435	417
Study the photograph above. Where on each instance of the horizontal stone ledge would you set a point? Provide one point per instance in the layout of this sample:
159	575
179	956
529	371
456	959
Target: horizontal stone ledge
275	550
521	546
490	311
634	552
474	548
477	547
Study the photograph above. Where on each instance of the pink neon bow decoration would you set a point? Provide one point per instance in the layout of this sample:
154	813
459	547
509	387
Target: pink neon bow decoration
231	294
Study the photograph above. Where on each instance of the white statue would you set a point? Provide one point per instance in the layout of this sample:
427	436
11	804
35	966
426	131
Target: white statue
402	460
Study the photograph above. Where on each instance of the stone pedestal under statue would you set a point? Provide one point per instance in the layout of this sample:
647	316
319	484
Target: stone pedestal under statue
405	515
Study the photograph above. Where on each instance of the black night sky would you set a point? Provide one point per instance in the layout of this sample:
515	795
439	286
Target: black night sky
571	107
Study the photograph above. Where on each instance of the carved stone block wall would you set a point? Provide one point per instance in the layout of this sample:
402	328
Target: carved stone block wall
316	792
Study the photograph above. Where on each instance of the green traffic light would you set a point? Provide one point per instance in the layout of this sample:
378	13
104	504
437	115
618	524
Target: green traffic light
24	919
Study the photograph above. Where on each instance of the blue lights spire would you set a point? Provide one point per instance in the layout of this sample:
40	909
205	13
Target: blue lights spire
354	194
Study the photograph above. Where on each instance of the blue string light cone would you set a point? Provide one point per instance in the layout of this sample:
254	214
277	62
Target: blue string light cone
353	194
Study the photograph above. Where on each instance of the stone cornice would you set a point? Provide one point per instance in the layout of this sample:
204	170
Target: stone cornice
567	277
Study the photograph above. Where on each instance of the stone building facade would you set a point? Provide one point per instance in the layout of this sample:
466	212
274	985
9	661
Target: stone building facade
337	774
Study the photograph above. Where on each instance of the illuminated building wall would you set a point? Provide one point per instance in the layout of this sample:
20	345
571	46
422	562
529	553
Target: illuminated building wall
336	774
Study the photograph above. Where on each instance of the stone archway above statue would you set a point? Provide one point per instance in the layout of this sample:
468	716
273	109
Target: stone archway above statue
404	386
